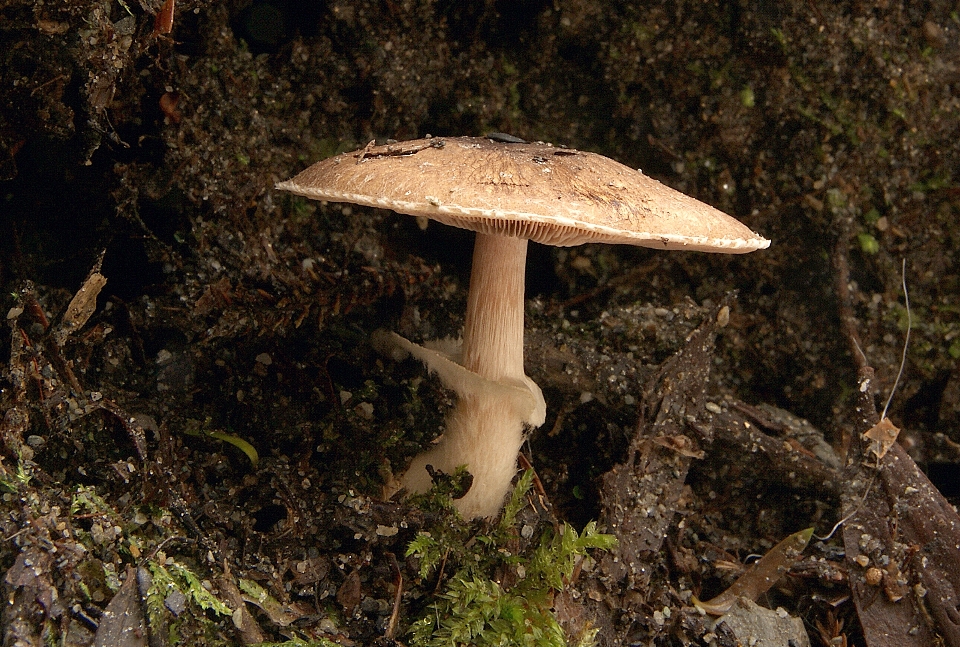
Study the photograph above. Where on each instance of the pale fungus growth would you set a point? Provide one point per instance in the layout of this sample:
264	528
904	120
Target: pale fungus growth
509	193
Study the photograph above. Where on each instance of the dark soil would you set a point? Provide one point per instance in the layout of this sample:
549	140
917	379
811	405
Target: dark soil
201	442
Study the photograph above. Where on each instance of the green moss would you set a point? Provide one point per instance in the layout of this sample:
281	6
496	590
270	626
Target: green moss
175	576
475	609
781	38
933	183
868	244
12	482
836	200
954	349
300	642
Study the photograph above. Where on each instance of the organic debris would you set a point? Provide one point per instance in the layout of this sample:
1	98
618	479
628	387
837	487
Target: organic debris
123	623
900	536
155	130
882	436
747	623
761	575
641	494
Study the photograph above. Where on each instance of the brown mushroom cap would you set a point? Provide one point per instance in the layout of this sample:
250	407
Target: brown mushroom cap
555	196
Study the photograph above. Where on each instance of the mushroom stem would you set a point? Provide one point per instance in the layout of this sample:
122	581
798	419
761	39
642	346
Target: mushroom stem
493	330
496	400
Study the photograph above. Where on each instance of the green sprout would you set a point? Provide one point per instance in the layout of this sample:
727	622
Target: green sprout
868	244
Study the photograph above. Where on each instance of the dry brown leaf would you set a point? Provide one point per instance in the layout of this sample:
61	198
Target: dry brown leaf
881	436
758	579
123	623
82	305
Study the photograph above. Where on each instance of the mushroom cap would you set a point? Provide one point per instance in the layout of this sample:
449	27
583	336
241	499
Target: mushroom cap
555	196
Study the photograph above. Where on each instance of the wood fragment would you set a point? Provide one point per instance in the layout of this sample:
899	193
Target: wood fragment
902	521
397	598
894	516
640	495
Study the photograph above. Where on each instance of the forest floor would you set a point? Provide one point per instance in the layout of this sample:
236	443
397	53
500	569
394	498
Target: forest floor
197	429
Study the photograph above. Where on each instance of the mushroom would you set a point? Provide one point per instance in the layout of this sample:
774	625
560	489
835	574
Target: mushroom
508	193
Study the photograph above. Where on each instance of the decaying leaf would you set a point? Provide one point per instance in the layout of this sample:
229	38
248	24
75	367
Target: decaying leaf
681	444
758	579
349	594
657	462
881	436
243	620
83	304
123	623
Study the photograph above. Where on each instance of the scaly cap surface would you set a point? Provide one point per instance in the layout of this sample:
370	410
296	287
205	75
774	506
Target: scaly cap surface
555	196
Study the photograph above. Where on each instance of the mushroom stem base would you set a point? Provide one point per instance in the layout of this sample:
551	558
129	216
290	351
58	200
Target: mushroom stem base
484	430
485	435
